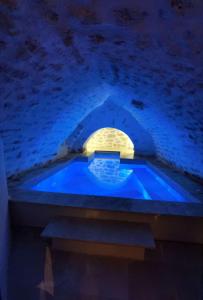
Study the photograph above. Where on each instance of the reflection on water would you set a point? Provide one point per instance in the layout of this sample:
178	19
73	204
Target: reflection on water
104	175
109	171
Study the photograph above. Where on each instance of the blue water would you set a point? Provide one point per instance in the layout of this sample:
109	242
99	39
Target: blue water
107	177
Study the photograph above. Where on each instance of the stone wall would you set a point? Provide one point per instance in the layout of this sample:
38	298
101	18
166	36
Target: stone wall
4	239
60	60
111	115
109	139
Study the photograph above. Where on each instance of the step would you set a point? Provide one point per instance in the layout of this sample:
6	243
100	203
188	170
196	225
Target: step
100	237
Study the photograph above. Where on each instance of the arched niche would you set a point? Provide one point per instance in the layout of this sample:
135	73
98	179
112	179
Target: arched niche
109	139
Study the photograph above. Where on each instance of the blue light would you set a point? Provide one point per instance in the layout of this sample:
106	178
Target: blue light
109	177
108	171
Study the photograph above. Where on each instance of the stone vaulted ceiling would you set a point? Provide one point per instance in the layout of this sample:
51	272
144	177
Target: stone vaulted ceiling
60	60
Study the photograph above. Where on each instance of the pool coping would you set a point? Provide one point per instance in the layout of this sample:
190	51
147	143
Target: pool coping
20	194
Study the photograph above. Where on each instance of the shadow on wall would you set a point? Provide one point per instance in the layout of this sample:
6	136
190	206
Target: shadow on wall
4	228
111	115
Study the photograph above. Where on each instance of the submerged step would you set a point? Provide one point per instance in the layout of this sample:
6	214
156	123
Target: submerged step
100	237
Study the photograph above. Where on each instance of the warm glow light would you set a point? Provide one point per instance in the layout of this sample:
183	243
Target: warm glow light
109	139
108	171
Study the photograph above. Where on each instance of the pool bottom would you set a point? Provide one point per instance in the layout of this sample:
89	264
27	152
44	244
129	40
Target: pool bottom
110	178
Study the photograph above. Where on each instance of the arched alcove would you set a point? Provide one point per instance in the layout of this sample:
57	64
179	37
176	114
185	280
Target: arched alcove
143	82
109	139
109	114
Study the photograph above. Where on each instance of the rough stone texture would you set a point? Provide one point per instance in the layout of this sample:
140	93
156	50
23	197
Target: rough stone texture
110	139
60	60
4	228
111	115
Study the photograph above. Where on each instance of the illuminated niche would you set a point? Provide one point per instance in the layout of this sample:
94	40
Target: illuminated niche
109	139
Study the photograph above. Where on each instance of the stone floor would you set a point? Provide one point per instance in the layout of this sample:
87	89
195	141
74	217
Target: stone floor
174	271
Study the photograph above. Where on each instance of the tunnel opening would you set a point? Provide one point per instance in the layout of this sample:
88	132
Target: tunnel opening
111	140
